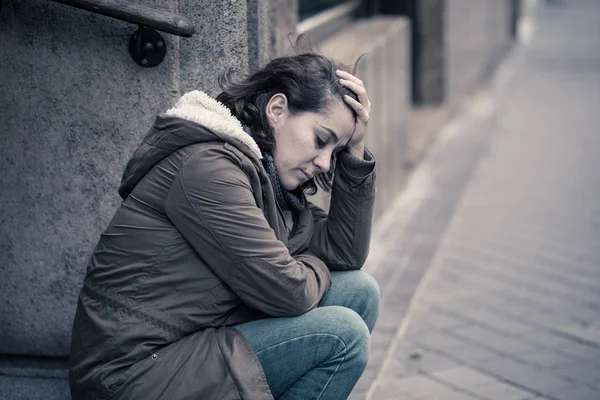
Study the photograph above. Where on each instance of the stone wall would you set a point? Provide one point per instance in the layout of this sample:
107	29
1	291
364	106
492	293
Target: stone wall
477	34
73	108
455	43
385	70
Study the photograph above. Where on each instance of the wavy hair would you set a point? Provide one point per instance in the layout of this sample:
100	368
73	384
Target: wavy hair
310	84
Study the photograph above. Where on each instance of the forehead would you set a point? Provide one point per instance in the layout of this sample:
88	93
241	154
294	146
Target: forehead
339	118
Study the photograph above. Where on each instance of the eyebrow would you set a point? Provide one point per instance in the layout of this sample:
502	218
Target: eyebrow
335	137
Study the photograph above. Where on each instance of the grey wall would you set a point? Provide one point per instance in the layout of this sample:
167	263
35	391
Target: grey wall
73	107
284	18
385	70
430	58
456	43
477	34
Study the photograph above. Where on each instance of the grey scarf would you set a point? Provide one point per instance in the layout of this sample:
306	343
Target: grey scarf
287	200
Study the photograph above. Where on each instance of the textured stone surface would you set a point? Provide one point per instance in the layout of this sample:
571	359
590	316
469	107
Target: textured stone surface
260	32
73	107
34	389
221	42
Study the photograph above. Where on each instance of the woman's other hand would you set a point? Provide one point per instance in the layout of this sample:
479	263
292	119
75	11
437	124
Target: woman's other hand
362	107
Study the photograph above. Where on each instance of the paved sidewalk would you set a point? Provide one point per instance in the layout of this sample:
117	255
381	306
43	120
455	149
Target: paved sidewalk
489	263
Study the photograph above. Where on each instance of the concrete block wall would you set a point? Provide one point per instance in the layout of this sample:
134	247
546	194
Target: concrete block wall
430	56
385	70
455	43
73	108
477	34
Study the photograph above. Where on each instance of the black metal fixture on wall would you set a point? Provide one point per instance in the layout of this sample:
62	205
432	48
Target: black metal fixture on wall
408	8
147	46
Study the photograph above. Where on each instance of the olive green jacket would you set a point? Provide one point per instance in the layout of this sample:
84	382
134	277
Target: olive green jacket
197	246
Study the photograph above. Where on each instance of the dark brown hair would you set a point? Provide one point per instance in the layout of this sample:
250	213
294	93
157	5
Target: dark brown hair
310	84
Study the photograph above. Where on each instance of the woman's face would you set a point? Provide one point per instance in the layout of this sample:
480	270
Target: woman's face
304	143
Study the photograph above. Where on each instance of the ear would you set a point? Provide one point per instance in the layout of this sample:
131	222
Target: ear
277	109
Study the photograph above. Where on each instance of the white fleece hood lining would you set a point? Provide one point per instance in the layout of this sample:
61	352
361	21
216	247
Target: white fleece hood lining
198	107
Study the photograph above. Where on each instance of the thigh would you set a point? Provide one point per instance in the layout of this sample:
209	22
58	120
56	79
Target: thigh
288	348
357	291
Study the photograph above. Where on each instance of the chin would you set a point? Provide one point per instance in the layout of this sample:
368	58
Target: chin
289	186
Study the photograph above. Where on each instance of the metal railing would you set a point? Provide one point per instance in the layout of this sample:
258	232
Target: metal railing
146	46
137	14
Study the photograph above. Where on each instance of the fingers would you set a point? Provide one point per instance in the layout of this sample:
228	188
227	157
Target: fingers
361	111
357	86
348	76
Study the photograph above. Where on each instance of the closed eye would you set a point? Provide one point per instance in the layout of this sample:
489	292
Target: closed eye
320	143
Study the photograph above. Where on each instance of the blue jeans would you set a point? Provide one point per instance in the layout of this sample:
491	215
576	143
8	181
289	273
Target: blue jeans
320	354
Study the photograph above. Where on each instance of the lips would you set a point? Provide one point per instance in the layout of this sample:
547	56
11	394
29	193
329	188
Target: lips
308	177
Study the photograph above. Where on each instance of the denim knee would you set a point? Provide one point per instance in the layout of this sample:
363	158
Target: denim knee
350	328
366	291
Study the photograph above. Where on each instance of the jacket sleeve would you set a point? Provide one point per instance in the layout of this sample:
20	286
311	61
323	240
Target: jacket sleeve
342	237
212	204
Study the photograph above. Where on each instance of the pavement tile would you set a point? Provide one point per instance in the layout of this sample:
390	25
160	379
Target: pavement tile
405	347
461	277
535	379
540	310
447	293
463	377
587	372
410	387
433	362
499	264
541	320
382	338
468	353
488	338
579	350
493	321
590	332
544	337
440	321
400	369
546	358
518	256
432	338
579	392
358	394
498	390
450	395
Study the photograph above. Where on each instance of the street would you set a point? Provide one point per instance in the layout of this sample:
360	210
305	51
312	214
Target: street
489	262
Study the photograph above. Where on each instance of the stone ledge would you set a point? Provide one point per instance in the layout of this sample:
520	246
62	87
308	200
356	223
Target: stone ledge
33	389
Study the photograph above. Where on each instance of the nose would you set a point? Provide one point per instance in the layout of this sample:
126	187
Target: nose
323	161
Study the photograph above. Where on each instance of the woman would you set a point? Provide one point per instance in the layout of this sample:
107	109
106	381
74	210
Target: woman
216	279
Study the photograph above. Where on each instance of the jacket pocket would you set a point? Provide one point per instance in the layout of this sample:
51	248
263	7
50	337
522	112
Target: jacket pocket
119	382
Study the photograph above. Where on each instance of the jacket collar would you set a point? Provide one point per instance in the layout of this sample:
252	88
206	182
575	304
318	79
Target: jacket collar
198	107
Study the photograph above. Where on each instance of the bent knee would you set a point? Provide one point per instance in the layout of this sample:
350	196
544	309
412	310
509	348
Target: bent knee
350	328
366	295
367	285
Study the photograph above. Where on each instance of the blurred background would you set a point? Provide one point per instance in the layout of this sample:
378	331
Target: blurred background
82	81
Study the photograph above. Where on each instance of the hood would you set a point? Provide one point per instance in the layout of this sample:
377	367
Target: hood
195	118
